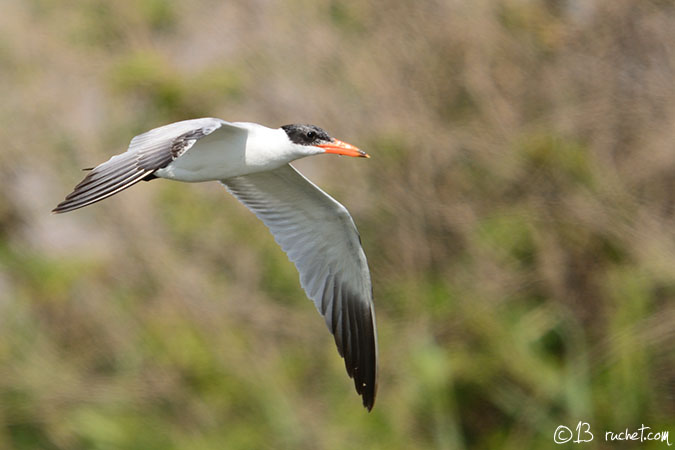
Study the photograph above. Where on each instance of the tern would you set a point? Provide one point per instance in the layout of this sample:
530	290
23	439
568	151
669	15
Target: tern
316	231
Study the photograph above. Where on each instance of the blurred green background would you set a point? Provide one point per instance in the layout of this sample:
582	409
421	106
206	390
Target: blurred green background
518	214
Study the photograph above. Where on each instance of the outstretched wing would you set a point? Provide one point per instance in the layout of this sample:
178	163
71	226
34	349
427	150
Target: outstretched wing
147	153
320	237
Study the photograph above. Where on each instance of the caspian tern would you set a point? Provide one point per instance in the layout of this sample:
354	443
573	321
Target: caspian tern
316	231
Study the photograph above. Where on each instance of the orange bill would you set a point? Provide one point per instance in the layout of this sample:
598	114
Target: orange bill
342	148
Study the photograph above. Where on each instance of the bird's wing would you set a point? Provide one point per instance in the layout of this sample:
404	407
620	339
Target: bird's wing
320	237
147	153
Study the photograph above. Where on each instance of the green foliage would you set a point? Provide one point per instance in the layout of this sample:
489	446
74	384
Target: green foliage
347	17
555	157
508	235
159	14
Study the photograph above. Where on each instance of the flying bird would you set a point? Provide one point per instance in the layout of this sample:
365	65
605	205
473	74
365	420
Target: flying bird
252	162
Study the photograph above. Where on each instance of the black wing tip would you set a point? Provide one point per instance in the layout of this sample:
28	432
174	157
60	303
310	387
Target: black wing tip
366	382
367	389
360	354
63	208
92	190
71	203
66	206
369	397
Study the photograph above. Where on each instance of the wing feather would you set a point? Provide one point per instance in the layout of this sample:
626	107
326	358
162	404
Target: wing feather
320	237
147	153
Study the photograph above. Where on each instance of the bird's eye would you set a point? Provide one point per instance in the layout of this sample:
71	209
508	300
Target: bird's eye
311	135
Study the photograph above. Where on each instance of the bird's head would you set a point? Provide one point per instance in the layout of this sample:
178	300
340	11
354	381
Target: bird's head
312	140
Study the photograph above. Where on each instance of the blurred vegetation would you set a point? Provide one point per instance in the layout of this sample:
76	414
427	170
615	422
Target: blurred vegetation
518	214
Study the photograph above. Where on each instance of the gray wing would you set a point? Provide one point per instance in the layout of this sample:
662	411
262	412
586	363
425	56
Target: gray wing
147	153
320	237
